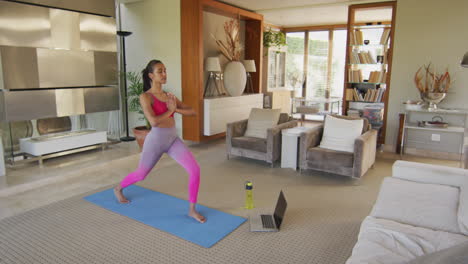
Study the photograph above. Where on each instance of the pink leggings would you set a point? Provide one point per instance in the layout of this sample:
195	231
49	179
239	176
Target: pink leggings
165	140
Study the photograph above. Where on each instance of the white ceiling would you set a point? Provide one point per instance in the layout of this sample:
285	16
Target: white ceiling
292	13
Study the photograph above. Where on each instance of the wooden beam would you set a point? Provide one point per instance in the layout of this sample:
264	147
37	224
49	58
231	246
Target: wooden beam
192	67
393	4
268	25
329	66
254	50
314	28
228	10
306	63
327	27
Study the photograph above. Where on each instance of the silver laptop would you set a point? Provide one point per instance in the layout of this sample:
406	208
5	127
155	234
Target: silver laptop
270	223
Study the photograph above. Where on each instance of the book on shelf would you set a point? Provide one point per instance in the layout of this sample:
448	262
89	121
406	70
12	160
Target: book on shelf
385	36
363	57
354	76
377	77
371	95
356	37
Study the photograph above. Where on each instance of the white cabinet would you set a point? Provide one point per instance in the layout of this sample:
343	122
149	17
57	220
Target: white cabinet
223	110
446	140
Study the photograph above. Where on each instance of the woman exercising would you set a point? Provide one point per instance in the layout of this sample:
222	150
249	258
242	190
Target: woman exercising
159	108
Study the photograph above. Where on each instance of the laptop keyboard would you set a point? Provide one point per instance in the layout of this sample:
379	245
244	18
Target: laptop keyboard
267	221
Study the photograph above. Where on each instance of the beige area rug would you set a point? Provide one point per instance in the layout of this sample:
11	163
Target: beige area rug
321	223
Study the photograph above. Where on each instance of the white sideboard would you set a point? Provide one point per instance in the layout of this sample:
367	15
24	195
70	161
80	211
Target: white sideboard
219	111
52	143
448	140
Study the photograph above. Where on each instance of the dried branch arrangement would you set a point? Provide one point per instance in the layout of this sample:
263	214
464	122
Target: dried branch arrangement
428	81
231	48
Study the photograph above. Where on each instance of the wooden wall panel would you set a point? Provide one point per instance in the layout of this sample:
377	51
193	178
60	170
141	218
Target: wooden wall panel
192	66
192	57
254	50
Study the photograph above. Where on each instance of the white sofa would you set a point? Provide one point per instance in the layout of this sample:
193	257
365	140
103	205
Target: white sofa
421	209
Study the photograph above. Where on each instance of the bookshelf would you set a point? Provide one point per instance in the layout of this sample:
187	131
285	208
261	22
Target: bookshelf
368	62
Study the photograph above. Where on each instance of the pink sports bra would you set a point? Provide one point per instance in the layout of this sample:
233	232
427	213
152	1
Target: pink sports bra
159	107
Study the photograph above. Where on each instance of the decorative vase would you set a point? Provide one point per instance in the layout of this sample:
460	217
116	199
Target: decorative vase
433	99
140	133
235	78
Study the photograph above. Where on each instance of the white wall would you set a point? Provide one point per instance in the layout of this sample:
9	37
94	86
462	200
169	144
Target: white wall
156	35
427	31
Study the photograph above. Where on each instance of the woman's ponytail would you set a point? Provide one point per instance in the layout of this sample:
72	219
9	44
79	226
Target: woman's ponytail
145	74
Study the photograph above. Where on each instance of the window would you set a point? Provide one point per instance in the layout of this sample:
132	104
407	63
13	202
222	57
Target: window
325	60
317	68
295	62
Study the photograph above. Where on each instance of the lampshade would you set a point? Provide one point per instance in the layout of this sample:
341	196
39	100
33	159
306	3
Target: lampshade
464	62
249	66
212	64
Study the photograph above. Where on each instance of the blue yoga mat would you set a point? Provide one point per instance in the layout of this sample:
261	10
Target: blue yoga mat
169	214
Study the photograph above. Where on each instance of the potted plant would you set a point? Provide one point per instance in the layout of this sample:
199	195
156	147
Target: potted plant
135	89
274	39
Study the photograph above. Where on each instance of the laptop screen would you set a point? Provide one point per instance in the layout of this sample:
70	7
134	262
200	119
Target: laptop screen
280	209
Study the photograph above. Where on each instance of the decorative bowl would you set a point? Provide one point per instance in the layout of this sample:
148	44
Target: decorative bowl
433	99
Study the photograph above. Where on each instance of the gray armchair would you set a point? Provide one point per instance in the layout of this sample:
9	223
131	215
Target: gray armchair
268	149
356	164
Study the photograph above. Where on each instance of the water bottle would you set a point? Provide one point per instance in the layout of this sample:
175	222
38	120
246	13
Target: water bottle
248	195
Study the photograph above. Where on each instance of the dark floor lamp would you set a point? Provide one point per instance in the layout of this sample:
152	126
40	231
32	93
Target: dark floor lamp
122	35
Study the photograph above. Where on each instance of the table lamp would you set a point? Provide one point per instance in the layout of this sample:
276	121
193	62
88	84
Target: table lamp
212	65
249	67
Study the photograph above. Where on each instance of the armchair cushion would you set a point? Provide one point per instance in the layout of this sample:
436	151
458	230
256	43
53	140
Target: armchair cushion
251	143
340	162
260	120
340	134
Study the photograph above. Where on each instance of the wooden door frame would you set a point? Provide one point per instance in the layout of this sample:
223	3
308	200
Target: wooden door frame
192	57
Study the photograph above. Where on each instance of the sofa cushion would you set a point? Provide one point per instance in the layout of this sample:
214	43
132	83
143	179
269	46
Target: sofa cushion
260	120
366	125
318	157
386	241
340	134
252	143
426	205
454	255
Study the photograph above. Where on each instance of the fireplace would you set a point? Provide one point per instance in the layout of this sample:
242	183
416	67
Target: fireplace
58	75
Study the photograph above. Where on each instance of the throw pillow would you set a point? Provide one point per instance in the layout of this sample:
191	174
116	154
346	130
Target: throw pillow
427	205
260	120
339	134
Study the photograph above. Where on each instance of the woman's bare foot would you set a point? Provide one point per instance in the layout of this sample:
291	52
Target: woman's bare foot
119	195
195	215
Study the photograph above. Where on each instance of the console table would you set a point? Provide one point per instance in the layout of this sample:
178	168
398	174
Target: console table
449	140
